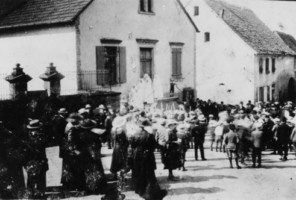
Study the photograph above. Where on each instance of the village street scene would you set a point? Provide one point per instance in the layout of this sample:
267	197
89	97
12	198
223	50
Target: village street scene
148	99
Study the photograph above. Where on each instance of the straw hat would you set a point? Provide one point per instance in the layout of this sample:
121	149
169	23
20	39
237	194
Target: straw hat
171	122
34	124
101	106
62	111
201	118
87	106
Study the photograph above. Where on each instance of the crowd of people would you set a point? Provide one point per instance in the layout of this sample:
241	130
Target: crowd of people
135	135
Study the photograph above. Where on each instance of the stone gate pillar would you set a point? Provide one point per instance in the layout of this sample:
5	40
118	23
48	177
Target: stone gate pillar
18	82
52	80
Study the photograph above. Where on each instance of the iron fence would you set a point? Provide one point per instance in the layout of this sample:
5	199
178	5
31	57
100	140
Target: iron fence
73	83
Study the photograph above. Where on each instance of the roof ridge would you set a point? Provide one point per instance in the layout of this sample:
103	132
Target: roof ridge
244	22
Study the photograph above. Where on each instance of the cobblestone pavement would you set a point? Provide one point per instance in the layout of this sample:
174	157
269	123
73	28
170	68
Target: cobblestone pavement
213	179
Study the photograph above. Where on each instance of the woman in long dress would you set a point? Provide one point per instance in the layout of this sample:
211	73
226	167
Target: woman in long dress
173	154
90	145
143	176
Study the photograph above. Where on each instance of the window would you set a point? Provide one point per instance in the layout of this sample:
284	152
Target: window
260	65
207	36
146	6
268	93
196	11
273	65
272	92
177	62
111	65
261	93
146	61
267	66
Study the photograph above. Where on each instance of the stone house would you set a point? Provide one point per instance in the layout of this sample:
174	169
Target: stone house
238	57
100	44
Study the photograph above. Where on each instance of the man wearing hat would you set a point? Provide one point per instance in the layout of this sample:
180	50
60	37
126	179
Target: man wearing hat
283	135
198	132
36	164
100	116
59	124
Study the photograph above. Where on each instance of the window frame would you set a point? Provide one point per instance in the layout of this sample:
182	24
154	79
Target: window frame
261	61
273	65
196	11
145	60
267	71
144	7
120	68
207	36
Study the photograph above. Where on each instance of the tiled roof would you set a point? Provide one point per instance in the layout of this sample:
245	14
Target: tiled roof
288	39
250	28
43	12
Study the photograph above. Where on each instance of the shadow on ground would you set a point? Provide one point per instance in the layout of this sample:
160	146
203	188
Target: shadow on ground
194	190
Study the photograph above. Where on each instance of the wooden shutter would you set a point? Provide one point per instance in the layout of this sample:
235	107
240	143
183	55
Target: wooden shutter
179	62
122	65
174	61
101	72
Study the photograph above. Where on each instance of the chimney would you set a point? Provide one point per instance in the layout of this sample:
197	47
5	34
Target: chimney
221	13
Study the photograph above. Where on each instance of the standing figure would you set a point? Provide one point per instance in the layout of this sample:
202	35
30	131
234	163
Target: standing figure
143	176
283	135
211	128
293	138
12	158
36	164
219	136
72	167
58	127
231	142
257	137
172	152
90	147
198	132
183	135
119	156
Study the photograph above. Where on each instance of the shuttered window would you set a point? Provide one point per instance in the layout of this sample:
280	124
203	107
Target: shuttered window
268	93
273	65
207	36
177	62
267	65
196	11
146	6
111	65
261	94
260	65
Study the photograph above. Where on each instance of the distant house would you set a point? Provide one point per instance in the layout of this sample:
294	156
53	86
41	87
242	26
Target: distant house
100	44
238	57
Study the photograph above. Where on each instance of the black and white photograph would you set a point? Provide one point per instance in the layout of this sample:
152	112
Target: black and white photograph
148	99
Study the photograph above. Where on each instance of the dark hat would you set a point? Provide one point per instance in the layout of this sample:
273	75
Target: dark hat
144	122
88	124
34	124
74	117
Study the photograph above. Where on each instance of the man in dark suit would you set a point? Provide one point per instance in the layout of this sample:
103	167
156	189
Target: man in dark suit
198	132
283	135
